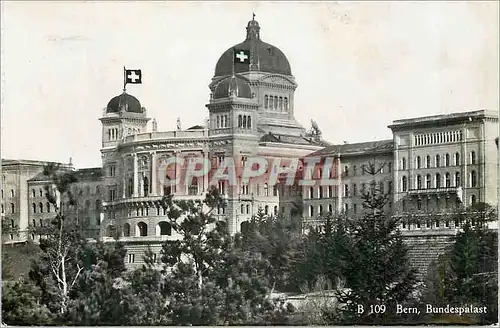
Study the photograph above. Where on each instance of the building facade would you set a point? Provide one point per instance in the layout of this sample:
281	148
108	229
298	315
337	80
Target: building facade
432	164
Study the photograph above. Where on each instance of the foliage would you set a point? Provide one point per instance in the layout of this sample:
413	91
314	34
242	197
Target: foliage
278	240
377	270
467	272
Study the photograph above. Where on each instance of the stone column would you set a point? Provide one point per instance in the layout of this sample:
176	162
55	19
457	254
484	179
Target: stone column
136	177
340	187
124	177
153	174
205	176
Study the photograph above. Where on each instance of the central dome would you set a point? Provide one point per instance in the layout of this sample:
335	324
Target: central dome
264	57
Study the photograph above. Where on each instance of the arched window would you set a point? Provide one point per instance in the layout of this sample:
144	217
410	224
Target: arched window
419	181
244	121
428	183
286	103
473	157
41	192
457	159
447	160
146	186
165	228
240	121
281	103
403	164
427	161
404	184
40	207
419	162
320	209
193	187
473	199
438	180
457	179
437	161
33	193
447	180
12	193
248	209
48	207
473	179
167	189
311	210
242	210
330	208
130	189
98	205
34	207
266	102
3	210
142	229
126	230
249	122
275	210
111	231
266	209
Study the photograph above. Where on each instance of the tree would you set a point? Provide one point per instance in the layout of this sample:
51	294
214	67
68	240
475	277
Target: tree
278	240
322	260
207	279
467	272
377	271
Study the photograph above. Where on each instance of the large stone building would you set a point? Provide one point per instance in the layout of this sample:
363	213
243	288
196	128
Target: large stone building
435	163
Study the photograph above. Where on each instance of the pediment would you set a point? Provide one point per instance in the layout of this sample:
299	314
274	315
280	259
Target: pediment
277	79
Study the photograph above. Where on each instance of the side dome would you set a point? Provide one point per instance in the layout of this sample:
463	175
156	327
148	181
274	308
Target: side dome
128	102
264	57
233	86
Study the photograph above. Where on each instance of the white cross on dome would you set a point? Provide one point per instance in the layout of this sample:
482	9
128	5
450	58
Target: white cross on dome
241	56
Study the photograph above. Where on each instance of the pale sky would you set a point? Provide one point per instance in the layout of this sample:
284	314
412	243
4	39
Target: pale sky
359	66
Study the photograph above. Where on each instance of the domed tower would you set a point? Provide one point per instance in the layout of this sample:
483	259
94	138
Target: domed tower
123	117
269	75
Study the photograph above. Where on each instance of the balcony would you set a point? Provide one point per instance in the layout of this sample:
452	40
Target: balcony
434	191
142	239
150	199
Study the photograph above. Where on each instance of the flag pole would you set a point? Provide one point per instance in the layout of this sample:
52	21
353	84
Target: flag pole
233	60
124	79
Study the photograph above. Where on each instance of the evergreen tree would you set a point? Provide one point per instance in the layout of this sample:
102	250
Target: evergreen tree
207	279
377	271
467	272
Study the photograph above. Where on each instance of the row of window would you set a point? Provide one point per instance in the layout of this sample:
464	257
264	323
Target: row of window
437	201
328	191
436	182
246	209
436	138
222	121
311	210
12	208
12	193
276	102
364	170
141	230
244	121
113	134
433	224
437	161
